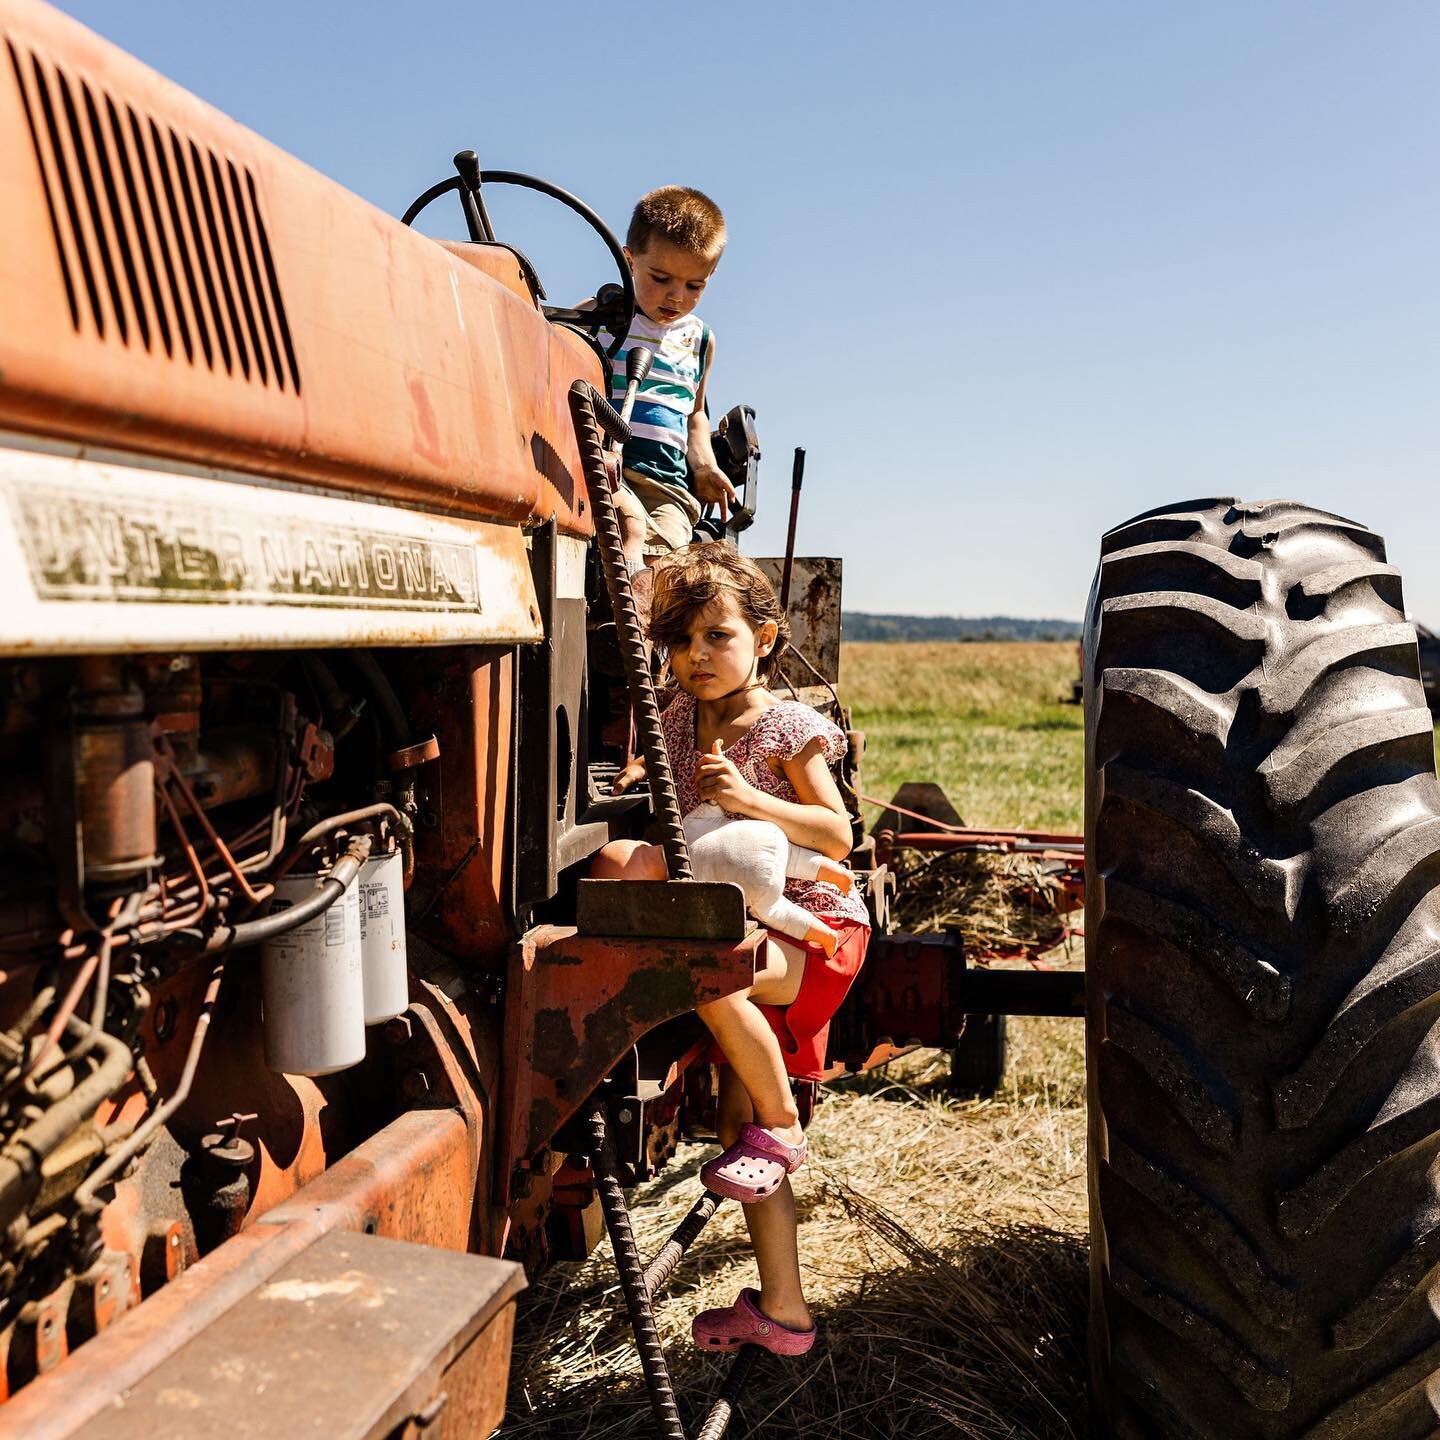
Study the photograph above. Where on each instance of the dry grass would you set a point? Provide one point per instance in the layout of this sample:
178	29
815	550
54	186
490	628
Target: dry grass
944	1258
943	1243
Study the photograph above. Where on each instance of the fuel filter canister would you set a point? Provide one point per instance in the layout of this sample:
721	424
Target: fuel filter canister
312	986
382	936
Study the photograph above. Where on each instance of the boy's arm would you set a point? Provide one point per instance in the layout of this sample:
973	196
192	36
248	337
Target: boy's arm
632	772
712	484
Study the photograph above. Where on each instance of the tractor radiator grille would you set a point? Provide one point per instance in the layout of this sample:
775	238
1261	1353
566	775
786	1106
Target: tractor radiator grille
160	240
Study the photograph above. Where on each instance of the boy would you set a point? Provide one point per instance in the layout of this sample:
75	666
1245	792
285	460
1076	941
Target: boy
674	243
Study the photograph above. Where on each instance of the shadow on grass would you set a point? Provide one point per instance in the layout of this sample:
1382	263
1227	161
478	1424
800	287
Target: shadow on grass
984	1337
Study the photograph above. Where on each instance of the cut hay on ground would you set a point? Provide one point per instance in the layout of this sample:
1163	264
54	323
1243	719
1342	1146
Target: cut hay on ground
945	1260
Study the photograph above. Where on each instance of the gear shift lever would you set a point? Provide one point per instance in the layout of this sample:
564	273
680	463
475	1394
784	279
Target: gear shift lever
637	367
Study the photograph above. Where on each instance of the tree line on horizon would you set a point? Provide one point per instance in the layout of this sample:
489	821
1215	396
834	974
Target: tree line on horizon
860	625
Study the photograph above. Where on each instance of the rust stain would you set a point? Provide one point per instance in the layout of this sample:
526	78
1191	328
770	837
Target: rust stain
427	428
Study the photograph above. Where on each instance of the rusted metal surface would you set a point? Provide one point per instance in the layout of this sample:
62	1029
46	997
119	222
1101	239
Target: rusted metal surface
202	562
357	1333
318	340
241	766
814	614
409	756
471	1400
911	992
462	846
292	1144
576	1003
413	1181
114	780
689	909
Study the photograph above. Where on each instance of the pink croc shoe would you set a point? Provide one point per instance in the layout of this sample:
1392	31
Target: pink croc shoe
753	1167
745	1323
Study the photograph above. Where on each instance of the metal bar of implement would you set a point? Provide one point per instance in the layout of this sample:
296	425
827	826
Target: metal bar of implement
1024	992
1023	841
797	478
590	411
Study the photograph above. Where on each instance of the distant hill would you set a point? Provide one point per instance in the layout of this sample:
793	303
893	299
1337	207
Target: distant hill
856	625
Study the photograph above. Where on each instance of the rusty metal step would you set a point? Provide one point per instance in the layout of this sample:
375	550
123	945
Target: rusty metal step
355	1338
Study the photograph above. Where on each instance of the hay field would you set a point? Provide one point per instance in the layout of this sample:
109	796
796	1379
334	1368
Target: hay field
944	1243
983	720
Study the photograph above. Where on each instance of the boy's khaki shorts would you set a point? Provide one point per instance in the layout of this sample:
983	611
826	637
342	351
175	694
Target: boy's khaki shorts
670	513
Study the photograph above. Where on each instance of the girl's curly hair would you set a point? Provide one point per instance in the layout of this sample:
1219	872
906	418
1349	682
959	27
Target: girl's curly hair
698	576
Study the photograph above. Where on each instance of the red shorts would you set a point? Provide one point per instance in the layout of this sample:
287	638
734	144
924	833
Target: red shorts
803	1026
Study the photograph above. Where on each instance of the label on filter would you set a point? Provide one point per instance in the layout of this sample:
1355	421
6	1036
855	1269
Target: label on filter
335	926
374	906
336	929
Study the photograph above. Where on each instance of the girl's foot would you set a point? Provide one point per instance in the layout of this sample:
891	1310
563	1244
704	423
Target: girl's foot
745	1323
832	872
753	1167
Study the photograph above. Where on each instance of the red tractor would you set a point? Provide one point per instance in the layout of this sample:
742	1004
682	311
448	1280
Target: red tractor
311	665
312	697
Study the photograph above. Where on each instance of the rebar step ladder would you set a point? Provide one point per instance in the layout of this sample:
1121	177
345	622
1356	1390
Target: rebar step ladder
640	1283
593	416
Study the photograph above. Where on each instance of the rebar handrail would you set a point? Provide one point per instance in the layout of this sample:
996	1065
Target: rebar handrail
585	407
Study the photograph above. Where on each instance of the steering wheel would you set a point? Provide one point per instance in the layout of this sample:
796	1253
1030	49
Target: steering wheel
614	313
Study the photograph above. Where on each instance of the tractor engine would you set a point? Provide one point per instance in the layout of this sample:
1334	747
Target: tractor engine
165	815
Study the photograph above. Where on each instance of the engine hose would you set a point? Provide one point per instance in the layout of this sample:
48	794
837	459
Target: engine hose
632	1279
85	1197
381	810
393	712
254	932
586	403
20	1165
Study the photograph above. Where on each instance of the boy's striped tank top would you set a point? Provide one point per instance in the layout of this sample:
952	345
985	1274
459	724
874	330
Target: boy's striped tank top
659	423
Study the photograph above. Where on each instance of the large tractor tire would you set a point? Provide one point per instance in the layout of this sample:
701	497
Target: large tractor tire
1264	984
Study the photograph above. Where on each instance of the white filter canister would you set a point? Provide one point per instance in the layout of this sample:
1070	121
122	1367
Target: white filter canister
382	936
313	987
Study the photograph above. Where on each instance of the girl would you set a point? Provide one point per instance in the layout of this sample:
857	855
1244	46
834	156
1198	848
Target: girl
717	618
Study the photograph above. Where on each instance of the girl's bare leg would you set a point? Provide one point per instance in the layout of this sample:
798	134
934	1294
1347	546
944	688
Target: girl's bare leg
772	1222
629	860
630	514
836	874
749	1043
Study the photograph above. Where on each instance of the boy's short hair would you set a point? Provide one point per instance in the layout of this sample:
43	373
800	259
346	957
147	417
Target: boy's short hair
685	217
698	576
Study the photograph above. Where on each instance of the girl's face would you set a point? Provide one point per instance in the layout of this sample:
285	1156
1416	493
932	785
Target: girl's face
723	653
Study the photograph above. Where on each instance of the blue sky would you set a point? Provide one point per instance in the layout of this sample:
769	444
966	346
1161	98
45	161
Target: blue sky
1010	272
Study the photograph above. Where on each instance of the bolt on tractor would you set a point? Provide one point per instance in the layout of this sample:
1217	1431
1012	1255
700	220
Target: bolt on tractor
317	659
